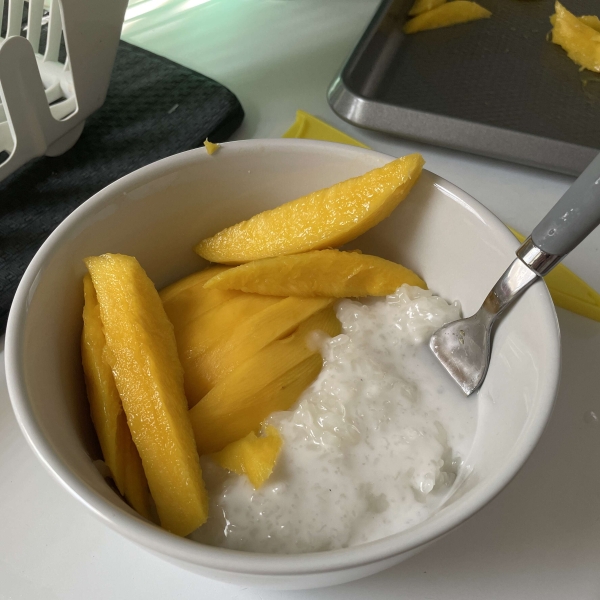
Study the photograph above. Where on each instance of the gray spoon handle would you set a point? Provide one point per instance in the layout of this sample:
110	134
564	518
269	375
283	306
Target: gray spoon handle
573	217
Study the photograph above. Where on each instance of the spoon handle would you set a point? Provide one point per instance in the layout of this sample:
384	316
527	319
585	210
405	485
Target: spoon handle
573	217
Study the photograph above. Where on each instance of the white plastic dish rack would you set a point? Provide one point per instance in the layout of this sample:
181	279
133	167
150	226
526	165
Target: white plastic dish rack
46	98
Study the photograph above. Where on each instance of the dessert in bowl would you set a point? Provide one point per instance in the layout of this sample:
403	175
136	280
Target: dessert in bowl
158	214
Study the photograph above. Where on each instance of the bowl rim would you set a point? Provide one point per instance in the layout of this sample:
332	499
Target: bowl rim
235	561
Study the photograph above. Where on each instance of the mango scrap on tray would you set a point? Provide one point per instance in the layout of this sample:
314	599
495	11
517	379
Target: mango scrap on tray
578	36
451	13
327	218
591	21
142	354
330	273
421	6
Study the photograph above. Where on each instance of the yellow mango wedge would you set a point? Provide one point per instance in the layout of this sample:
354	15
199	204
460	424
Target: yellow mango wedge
329	273
212	328
421	6
252	456
580	40
215	325
326	218
271	380
142	354
119	451
186	300
249	337
451	13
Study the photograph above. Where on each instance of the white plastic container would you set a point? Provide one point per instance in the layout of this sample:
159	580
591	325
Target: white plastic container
44	101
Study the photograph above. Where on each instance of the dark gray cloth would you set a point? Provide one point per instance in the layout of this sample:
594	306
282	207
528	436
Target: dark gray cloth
154	108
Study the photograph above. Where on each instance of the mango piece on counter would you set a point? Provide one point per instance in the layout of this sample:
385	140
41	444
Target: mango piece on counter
322	219
421	6
271	380
252	456
250	336
212	328
578	37
186	299
570	291
329	273
118	450
451	13
142	354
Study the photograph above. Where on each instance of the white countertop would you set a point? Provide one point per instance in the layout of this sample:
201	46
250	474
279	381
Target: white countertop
540	538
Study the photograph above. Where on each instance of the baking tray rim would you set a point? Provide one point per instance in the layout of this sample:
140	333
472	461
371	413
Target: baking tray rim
449	132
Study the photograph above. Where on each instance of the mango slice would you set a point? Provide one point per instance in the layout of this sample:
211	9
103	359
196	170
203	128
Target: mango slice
119	451
195	302
186	300
252	456
452	13
421	6
210	329
250	336
580	40
330	273
215	427
142	353
271	380
326	218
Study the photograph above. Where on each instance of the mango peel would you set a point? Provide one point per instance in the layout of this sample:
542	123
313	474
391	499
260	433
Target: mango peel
570	291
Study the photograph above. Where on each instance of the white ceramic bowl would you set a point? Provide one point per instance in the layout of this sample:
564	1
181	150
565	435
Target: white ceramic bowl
157	214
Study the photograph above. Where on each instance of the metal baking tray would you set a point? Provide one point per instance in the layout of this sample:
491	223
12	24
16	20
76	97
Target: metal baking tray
495	87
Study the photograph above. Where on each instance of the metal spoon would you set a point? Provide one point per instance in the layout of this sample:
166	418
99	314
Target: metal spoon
464	346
